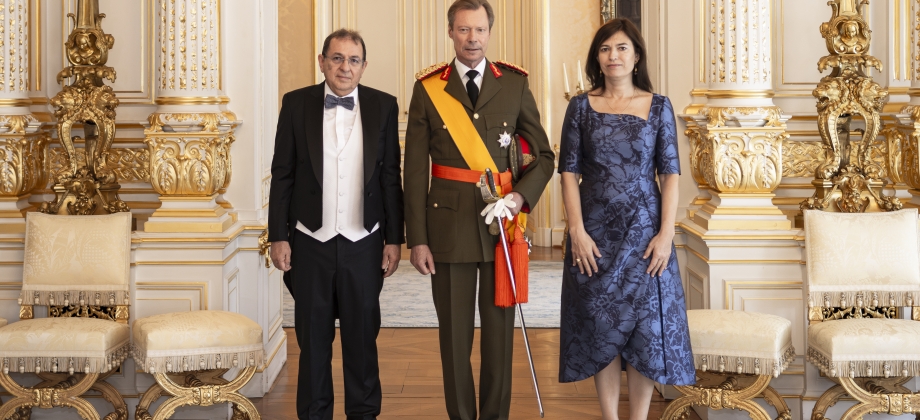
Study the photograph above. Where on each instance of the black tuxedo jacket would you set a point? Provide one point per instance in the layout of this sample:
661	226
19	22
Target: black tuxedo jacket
297	167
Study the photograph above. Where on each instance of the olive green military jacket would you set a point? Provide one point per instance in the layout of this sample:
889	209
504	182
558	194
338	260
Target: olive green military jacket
446	215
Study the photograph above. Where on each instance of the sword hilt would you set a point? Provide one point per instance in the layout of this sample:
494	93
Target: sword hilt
491	180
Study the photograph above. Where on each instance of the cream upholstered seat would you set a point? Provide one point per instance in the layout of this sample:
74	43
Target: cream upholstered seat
3	322
740	342
205	345
865	347
196	340
63	345
861	268
78	266
735	353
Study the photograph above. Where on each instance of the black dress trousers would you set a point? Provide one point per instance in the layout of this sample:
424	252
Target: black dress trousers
337	278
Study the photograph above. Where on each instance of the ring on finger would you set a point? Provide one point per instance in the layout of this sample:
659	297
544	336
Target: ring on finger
578	260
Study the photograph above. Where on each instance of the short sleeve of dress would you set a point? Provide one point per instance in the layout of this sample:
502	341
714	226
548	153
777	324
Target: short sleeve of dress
667	158
570	152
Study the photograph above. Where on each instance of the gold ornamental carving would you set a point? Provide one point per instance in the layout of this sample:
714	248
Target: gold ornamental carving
743	162
193	163
699	158
129	164
723	391
872	395
92	187
49	397
841	183
117	313
907	135
21	157
802	158
717	116
738	159
63	390
199	388
265	248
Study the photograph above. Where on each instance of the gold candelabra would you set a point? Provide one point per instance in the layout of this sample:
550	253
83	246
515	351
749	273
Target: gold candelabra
842	185
92	187
579	83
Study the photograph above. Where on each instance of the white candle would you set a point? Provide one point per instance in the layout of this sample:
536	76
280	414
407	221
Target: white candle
565	77
581	82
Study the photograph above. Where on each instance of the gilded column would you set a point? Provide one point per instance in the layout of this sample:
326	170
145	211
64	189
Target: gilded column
22	141
904	137
190	134
737	138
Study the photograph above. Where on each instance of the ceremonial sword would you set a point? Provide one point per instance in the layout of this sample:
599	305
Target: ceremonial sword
492	196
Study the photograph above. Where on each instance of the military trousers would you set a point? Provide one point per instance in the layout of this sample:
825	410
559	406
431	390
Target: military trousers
454	291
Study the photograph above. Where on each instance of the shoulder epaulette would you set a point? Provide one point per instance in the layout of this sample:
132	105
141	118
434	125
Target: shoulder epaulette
432	70
513	67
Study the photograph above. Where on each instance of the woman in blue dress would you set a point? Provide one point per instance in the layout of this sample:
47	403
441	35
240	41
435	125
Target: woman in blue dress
622	298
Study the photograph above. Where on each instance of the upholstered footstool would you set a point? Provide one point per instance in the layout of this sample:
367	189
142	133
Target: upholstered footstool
56	349
736	353
870	359
189	352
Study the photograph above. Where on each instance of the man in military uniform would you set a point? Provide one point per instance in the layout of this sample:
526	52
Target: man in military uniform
462	116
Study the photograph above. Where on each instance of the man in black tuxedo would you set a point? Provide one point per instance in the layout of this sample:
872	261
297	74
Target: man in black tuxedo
336	212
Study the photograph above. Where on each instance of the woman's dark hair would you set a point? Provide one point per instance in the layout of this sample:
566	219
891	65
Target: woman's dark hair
640	77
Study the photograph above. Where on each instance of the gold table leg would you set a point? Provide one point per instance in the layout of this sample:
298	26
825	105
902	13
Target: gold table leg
200	388
23	413
777	402
66	395
878	395
727	394
108	392
873	395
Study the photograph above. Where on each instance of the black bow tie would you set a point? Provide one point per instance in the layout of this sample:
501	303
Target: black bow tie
347	102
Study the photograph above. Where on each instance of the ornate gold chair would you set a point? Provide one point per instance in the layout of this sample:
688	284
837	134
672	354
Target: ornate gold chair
736	354
78	266
861	269
189	352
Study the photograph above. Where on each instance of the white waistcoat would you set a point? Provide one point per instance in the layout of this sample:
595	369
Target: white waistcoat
343	185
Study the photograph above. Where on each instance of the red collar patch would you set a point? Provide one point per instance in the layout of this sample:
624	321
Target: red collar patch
495	70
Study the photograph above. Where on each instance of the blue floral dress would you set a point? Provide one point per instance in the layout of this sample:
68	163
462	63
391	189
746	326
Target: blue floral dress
621	310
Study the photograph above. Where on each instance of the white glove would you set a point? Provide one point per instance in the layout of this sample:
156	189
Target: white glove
499	209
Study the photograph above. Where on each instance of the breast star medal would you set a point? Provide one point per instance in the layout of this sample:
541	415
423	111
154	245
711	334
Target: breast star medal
504	140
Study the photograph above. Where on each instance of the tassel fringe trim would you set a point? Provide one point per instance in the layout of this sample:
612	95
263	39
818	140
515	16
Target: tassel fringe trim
749	365
863	368
111	360
862	298
74	297
199	359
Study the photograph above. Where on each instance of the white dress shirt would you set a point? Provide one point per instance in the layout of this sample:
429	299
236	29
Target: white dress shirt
343	174
463	69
